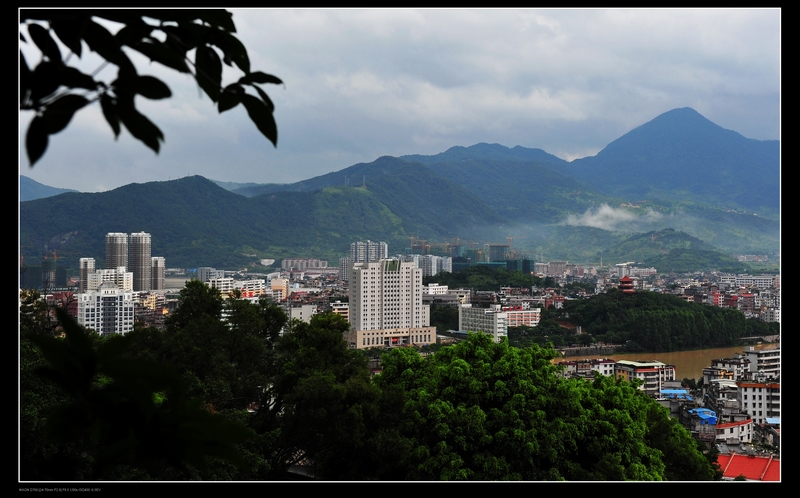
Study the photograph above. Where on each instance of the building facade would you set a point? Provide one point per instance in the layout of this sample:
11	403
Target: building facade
107	310
760	400
116	250
653	374
492	320
385	305
157	268
139	260
366	252
86	267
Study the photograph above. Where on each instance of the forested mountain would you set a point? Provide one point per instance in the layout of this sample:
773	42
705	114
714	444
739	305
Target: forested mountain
678	171
30	189
681	152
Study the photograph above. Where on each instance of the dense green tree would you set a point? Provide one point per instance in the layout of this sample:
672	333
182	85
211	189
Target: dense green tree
485	411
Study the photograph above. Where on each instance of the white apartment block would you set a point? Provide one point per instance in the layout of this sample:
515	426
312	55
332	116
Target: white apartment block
385	306
492	320
765	361
760	400
225	285
107	310
760	281
433	289
157	269
123	279
653	374
365	252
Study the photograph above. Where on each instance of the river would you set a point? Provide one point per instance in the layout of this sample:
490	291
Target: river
687	363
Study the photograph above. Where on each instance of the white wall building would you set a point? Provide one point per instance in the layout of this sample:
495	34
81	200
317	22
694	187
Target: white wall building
385	301
492	320
760	400
365	252
107	310
86	268
123	279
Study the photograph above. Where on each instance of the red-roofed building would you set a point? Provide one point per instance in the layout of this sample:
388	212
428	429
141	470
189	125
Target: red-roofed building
740	431
626	285
753	468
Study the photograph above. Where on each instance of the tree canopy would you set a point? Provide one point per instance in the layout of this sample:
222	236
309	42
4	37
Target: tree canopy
55	90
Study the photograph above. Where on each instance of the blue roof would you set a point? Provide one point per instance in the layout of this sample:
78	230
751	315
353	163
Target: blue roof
773	420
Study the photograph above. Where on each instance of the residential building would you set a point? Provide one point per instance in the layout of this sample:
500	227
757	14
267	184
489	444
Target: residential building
157	268
86	267
518	316
140	260
123	279
116	250
653	374
760	400
766	361
206	273
107	310
492	320
385	301
366	252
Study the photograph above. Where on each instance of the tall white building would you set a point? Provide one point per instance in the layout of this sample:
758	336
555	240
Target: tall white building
107	310
86	269
386	305
139	260
116	250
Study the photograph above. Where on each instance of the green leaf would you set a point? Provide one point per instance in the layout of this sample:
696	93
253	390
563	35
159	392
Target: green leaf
230	97
110	113
209	71
152	88
260	77
261	115
58	114
140	126
43	40
36	140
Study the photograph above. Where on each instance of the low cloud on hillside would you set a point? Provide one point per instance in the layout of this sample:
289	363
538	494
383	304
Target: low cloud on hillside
610	218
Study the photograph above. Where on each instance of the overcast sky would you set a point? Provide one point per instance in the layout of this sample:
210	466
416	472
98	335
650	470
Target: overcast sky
360	84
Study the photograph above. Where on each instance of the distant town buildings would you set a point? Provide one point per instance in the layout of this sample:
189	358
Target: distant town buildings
107	310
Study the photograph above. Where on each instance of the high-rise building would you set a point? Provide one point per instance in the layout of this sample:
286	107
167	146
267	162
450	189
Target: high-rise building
386	305
116	250
366	252
86	268
139	260
157	266
107	310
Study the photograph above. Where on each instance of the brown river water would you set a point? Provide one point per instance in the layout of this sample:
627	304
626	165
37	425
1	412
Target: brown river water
687	363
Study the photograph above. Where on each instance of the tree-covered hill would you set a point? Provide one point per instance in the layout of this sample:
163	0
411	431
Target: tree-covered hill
659	322
681	154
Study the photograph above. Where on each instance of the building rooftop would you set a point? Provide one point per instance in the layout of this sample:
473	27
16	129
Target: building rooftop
754	468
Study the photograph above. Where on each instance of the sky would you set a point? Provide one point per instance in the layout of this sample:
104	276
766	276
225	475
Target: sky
361	84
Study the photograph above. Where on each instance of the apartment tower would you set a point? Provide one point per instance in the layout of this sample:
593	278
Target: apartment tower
86	269
140	261
116	250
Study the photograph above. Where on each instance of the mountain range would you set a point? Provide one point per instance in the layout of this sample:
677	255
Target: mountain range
679	171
